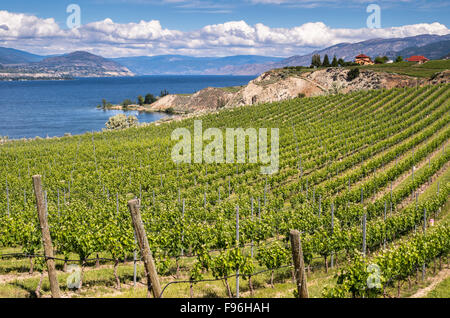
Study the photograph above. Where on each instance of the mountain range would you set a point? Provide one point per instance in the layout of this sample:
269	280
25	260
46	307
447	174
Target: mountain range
189	65
84	64
431	46
10	56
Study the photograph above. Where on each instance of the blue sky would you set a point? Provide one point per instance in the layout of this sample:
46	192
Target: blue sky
206	27
189	15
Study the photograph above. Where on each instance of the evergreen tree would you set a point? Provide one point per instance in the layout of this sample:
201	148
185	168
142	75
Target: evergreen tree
335	62
341	62
164	92
399	59
315	62
326	61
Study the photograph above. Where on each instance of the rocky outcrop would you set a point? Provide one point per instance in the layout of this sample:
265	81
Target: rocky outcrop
206	99
441	78
278	85
336	79
271	87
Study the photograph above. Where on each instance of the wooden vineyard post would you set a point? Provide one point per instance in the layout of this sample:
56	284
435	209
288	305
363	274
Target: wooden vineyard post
297	257
46	239
149	264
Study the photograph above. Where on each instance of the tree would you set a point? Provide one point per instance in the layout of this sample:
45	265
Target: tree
341	62
121	121
378	60
141	100
315	62
126	103
163	93
381	60
149	99
326	61
335	62
399	59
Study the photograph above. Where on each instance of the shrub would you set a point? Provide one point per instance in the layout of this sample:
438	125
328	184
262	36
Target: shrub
149	99
170	110
126	103
352	74
221	102
121	121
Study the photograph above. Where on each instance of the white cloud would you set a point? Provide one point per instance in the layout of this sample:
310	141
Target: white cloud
111	39
18	25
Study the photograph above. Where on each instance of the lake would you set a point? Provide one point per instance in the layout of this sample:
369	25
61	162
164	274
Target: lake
53	108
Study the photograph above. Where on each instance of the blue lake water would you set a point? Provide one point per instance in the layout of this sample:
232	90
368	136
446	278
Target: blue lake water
52	108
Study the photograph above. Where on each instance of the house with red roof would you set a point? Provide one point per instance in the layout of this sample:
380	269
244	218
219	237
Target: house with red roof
363	59
417	58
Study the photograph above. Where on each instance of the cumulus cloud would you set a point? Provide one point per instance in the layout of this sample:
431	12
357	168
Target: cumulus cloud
18	25
111	39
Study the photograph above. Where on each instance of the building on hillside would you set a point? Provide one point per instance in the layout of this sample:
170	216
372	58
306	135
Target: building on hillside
363	59
418	58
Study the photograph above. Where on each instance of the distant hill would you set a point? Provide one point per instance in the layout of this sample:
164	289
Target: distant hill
373	48
84	64
12	56
75	64
188	65
433	51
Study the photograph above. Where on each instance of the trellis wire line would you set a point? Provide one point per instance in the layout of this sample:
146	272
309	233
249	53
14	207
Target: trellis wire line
217	279
111	259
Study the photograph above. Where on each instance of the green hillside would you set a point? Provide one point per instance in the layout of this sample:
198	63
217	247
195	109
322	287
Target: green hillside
426	70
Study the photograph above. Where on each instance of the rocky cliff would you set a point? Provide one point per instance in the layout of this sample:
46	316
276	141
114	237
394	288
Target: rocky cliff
277	85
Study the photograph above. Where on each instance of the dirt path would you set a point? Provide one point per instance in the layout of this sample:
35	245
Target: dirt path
434	282
7	278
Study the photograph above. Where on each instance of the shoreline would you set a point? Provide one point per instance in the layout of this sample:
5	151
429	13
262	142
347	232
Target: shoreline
141	109
168	118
